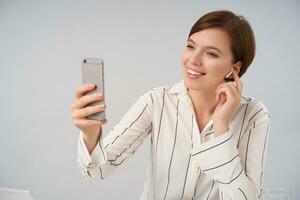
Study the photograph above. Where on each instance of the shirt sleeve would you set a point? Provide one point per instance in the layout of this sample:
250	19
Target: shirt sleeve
237	168
121	142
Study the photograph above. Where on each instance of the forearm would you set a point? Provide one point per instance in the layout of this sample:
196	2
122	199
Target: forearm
220	160
91	140
239	187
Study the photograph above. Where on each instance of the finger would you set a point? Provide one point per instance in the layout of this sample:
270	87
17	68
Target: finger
85	112
221	85
238	82
221	94
221	97
80	91
228	91
87	99
224	84
89	122
234	89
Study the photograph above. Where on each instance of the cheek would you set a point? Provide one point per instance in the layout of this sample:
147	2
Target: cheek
184	58
217	69
217	66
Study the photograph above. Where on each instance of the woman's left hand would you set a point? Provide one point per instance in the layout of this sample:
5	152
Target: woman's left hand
228	96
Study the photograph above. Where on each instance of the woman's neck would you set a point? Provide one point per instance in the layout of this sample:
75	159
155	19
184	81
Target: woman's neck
204	102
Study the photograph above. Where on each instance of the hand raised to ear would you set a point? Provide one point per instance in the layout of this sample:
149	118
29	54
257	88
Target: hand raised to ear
228	97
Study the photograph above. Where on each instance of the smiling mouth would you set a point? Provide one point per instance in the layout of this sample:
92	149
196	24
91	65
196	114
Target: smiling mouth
194	74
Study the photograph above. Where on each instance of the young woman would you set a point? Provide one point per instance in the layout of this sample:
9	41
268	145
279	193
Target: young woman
208	141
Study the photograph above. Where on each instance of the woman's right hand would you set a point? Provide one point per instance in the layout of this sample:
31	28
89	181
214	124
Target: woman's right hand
81	110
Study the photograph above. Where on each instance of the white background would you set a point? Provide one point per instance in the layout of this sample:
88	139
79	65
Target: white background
41	47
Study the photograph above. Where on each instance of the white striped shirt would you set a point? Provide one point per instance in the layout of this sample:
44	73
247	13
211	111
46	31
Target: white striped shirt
185	163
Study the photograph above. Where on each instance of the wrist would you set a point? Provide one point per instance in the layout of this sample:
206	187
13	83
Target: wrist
220	130
220	127
91	139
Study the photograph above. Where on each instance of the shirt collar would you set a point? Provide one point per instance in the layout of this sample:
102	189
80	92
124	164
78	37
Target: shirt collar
183	92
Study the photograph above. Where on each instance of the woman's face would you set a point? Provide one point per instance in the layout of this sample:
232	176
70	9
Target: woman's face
208	51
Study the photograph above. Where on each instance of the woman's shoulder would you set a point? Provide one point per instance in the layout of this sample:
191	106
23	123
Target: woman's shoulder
156	95
254	106
159	90
177	87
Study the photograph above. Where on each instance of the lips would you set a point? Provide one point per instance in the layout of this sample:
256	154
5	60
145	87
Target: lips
194	74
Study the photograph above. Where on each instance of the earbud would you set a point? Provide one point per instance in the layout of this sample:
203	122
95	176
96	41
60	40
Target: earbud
228	75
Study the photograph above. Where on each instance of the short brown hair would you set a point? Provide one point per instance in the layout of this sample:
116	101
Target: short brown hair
239	30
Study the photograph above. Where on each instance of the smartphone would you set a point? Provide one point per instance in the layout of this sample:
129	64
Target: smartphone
93	72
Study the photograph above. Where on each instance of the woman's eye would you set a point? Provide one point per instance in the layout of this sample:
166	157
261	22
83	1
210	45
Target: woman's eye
189	46
212	54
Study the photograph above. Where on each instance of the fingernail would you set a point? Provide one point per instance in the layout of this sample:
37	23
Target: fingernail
91	85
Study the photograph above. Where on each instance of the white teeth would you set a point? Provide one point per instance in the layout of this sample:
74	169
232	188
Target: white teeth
194	73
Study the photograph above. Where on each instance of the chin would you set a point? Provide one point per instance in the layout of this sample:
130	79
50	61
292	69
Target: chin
192	85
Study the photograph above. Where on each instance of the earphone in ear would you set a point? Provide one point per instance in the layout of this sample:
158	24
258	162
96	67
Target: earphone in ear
228	75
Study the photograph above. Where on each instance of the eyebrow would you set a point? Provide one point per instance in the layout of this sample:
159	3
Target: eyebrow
207	47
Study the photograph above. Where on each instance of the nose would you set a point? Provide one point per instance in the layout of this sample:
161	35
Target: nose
195	59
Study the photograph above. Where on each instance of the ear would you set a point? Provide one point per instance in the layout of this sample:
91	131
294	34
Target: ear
237	66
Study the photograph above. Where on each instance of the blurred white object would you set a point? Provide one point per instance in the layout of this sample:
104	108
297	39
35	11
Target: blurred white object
15	194
277	194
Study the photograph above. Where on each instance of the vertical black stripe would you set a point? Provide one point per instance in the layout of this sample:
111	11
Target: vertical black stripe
156	145
238	144
265	142
102	150
212	186
100	136
264	151
247	147
172	152
243	193
152	165
86	174
187	170
192	130
101	173
151	98
152	160
182	195
211	127
195	189
260	192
